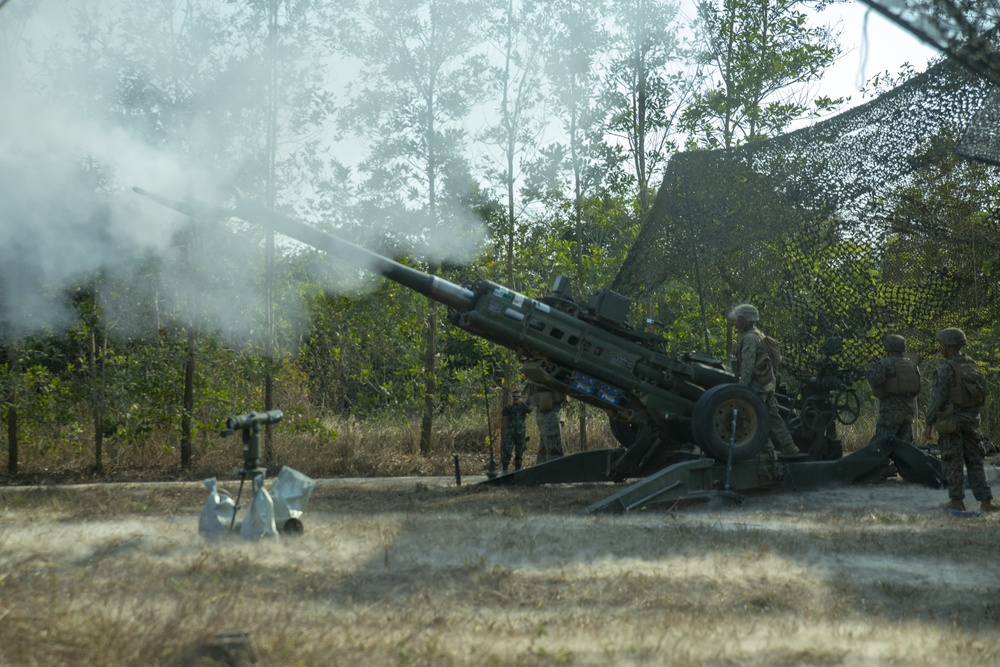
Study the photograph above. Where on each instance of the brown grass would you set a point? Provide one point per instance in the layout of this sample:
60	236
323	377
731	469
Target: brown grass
345	447
337	448
405	573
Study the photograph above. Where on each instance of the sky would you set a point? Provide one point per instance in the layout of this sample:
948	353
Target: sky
871	45
45	235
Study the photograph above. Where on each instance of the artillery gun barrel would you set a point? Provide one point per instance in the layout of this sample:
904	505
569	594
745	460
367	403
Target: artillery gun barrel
615	370
433	287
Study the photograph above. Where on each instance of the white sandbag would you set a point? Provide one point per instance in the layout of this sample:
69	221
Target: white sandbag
259	521
217	513
291	492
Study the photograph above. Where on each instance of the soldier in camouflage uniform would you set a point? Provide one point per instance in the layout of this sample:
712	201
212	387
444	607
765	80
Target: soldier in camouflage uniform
957	391
515	437
548	416
753	368
895	381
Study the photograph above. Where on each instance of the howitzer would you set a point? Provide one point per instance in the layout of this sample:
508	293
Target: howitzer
658	404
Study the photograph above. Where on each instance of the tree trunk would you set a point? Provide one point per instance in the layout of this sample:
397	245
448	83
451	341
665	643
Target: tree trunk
430	380
13	368
12	433
510	371
187	412
97	396
272	156
578	219
430	354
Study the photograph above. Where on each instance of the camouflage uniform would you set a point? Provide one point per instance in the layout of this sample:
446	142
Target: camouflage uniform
897	405
548	416
752	367
514	433
965	445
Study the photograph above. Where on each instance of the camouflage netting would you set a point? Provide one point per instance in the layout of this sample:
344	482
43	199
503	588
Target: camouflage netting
825	229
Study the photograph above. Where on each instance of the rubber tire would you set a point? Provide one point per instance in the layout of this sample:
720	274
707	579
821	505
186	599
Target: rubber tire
711	423
293	527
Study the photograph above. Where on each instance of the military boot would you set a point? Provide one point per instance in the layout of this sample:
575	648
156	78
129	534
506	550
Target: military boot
955	504
989	506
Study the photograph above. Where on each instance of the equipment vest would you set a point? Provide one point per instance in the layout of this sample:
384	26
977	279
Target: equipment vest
969	387
905	381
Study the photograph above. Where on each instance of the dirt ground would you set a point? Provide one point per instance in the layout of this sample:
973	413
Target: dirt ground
418	571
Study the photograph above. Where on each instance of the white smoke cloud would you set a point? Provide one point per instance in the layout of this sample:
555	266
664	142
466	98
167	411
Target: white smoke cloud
68	213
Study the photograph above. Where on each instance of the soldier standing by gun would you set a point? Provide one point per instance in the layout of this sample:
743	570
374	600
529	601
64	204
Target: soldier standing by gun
755	370
895	382
548	415
824	399
515	437
957	392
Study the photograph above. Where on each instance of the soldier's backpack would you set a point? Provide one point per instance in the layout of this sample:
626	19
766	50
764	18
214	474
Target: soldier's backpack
969	389
905	380
773	349
766	366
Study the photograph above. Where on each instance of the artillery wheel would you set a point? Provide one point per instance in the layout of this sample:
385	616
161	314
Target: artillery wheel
712	418
848	407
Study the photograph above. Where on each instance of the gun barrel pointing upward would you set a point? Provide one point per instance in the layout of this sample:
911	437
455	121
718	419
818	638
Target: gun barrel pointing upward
441	290
433	287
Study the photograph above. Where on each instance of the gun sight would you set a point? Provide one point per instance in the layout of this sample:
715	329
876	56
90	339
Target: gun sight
251	419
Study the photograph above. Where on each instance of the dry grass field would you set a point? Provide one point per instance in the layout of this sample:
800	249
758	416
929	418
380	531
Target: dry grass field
419	571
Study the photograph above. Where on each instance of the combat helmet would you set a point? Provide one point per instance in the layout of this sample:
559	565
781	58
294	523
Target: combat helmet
951	336
832	346
894	343
746	311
